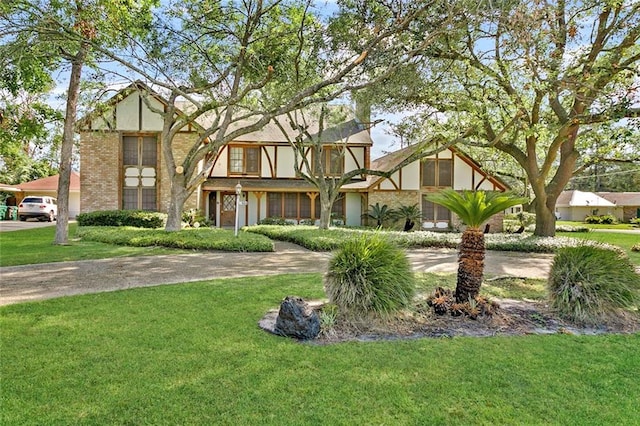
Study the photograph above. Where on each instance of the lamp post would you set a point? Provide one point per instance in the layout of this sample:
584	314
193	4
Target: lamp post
238	194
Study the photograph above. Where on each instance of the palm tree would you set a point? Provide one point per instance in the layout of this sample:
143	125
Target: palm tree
379	214
410	215
473	208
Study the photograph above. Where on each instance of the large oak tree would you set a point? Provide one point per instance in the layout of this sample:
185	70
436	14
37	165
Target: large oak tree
558	70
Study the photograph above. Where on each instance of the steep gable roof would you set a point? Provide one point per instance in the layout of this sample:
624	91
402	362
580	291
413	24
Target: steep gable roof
393	159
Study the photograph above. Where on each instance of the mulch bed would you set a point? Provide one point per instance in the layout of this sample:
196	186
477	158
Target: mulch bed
512	318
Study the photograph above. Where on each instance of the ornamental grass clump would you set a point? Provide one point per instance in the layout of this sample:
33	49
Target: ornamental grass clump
369	275
588	283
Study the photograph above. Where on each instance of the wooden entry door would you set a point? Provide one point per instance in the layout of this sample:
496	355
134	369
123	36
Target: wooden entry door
228	209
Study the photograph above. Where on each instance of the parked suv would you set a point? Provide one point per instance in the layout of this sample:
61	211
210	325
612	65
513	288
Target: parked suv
38	206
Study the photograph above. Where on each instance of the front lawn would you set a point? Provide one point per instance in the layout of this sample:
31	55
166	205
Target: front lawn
626	241
193	354
31	246
623	226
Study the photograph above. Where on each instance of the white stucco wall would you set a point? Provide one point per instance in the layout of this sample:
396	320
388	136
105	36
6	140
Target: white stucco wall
411	176
127	113
462	175
220	168
285	159
353	209
151	121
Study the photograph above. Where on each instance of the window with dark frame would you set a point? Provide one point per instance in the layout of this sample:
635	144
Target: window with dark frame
139	163
434	212
297	205
244	160
437	172
332	159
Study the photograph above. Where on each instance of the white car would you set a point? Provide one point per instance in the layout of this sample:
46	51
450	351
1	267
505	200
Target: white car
41	207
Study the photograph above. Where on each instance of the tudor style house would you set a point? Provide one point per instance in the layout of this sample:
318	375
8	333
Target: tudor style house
122	167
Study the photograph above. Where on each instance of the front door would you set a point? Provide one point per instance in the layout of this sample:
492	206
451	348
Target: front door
228	209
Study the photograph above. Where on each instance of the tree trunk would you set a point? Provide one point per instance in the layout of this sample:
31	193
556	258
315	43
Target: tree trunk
325	214
545	220
179	196
470	264
66	150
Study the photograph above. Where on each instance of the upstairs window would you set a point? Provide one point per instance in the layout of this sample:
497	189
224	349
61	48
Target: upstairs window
332	159
437	173
244	160
139	163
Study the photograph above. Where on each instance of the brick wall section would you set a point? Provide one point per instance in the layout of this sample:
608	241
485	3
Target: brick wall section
99	171
495	223
182	142
395	199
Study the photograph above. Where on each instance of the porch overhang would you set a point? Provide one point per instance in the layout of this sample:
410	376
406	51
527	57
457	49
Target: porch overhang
268	185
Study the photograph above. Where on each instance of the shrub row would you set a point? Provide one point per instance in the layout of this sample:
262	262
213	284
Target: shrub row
135	218
196	239
318	240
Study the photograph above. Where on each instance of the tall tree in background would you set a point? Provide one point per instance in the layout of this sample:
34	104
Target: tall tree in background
27	142
63	33
234	66
558	70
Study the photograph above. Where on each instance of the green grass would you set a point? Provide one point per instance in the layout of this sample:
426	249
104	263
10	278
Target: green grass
626	241
31	246
623	226
36	245
193	354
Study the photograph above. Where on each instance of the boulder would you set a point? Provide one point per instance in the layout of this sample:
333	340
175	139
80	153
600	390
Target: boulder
297	319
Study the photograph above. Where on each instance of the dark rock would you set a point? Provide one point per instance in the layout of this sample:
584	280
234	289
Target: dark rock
297	319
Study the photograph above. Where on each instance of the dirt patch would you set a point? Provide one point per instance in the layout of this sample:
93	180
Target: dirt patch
512	318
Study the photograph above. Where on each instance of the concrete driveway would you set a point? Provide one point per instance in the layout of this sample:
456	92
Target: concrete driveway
48	280
16	225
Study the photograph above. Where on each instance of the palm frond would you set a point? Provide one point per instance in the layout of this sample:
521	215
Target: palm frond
475	207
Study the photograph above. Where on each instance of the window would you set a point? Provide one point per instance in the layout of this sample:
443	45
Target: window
139	158
244	160
433	212
332	161
297	205
437	172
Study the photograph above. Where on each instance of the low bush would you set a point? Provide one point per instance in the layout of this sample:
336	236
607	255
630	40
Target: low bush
635	221
369	275
280	221
195	218
571	228
587	283
134	218
606	219
189	238
635	247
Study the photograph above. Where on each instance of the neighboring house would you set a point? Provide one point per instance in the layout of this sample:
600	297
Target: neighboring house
123	168
47	186
576	205
628	202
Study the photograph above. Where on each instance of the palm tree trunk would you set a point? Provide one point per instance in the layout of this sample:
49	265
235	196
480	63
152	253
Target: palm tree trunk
470	264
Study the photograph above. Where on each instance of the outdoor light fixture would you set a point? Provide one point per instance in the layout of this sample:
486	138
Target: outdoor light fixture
238	194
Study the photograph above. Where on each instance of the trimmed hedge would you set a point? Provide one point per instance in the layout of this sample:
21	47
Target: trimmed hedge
134	218
188	238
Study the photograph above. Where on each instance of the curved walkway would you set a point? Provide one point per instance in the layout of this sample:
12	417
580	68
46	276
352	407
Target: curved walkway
48	280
